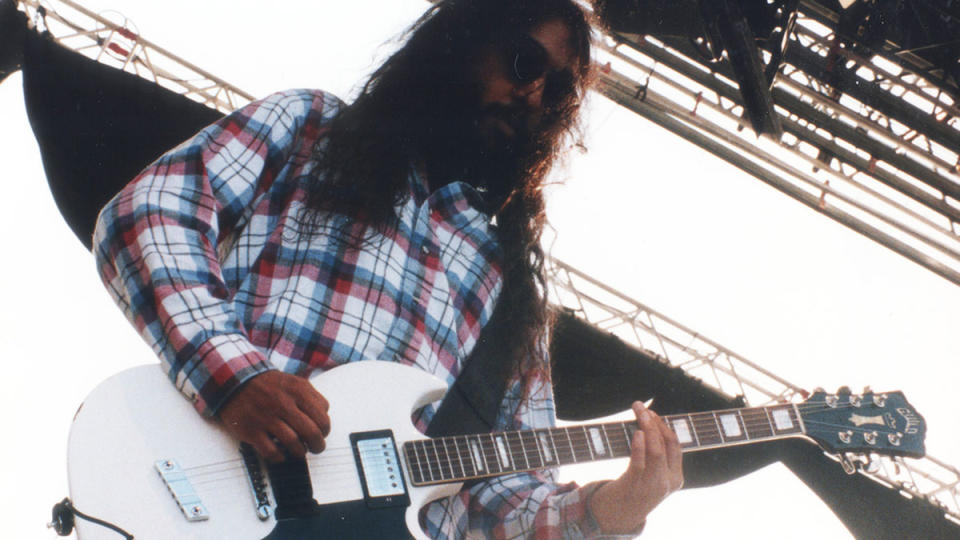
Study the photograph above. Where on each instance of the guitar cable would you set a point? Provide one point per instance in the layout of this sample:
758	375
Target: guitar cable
64	514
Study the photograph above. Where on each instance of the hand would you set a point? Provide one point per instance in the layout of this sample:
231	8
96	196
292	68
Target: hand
655	471
276	407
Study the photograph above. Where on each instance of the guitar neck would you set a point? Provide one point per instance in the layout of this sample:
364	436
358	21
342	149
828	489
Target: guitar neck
466	457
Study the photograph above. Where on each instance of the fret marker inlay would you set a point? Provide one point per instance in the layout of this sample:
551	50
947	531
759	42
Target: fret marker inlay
781	417
682	430
545	448
477	457
731	428
597	440
503	455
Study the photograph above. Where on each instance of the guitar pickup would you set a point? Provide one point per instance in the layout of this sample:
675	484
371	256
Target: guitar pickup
182	490
375	453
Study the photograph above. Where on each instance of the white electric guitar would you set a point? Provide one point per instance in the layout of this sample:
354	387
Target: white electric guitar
142	459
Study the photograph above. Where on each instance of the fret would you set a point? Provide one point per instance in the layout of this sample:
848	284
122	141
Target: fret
463	449
517	453
436	473
490	454
421	463
766	414
682	426
425	461
476	455
503	452
588	440
613	434
579	444
757	423
564	450
731	425
451	459
603	431
801	425
413	464
545	443
629	428
529	440
548	436
443	460
704	430
716	422
784	419
708	433
598	449
622	439
452	441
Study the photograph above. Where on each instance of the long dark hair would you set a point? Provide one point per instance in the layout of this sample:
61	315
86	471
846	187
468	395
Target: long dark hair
374	142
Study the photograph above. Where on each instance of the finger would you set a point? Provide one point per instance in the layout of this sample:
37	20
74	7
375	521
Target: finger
264	446
672	450
638	456
288	438
655	447
638	448
306	429
315	407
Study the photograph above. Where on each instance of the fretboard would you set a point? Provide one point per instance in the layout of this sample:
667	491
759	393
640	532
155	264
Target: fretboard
465	457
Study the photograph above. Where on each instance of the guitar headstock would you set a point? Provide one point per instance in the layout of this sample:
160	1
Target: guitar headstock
882	423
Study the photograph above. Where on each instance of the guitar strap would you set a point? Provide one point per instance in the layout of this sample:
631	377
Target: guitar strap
473	401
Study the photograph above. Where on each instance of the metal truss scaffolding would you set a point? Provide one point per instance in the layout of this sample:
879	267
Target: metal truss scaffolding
113	39
893	178
867	141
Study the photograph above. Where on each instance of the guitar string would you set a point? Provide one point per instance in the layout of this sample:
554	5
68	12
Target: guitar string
447	469
449	462
452	461
704	431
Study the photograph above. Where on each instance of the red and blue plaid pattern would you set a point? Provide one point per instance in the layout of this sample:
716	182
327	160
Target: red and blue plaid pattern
203	251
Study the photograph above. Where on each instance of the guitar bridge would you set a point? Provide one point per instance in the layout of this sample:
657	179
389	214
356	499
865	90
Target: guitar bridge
258	484
182	490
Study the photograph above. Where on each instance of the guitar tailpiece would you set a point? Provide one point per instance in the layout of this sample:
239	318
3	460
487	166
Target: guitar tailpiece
64	518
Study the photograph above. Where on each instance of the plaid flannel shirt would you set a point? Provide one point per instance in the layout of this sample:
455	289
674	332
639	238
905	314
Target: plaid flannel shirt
203	254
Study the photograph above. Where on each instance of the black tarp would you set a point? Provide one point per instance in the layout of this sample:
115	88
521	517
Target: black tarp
97	126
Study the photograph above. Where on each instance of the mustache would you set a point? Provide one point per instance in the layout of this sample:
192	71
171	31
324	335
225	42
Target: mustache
518	117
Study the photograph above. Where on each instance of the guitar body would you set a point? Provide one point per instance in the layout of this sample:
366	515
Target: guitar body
136	418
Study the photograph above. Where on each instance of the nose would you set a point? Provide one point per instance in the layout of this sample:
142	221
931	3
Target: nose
531	93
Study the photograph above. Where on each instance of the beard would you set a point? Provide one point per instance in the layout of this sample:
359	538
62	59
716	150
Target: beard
495	148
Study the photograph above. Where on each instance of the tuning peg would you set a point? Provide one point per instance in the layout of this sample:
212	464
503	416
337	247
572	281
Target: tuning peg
872	465
831	400
848	466
867	390
819	390
844	391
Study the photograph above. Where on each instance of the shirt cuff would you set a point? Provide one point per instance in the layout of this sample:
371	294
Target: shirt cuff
222	365
589	526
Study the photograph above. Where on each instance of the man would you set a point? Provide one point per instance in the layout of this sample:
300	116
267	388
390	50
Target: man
300	233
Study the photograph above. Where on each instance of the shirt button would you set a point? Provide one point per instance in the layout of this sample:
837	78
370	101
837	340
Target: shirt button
424	249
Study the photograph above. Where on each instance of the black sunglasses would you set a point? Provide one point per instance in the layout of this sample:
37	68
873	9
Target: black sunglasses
529	61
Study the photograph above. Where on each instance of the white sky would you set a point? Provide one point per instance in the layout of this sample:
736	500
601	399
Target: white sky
643	211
